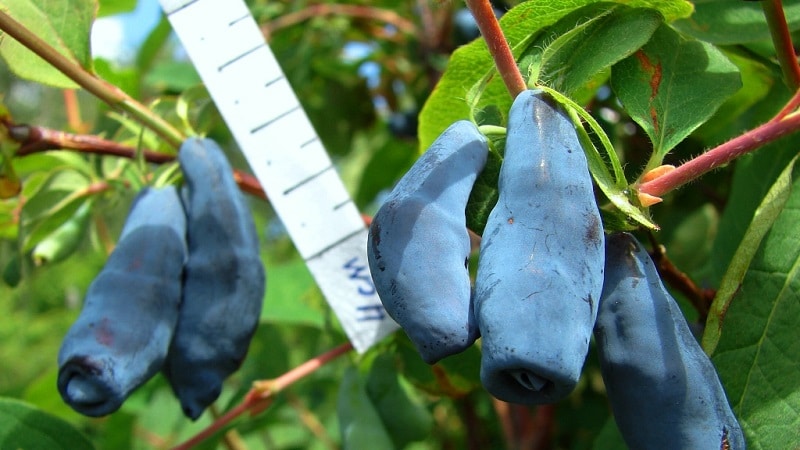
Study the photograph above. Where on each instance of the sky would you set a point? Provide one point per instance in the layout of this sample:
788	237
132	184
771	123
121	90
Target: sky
118	37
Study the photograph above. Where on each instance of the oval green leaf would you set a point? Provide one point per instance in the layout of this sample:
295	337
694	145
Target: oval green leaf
24	427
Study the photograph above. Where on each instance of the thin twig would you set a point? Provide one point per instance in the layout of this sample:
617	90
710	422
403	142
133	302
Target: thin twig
782	41
36	139
483	12
721	155
105	91
263	393
311	422
700	298
366	12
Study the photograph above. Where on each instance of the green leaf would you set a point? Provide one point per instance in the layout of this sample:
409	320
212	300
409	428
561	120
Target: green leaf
359	423
52	205
586	41
763	219
726	22
671	86
753	176
739	111
484	193
172	76
65	239
25	427
197	112
447	103
606	33
758	354
454	376
48	20
153	44
111	7
609	437
287	299
402	412
389	160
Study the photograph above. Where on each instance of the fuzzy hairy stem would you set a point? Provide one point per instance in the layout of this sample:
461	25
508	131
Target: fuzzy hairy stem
721	155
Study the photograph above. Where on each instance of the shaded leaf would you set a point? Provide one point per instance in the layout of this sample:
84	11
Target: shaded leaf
52	205
484	193
401	410
609	437
454	376
388	161
25	427
671	86
359	422
64	240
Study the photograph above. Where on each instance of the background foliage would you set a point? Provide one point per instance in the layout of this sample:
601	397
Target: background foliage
665	79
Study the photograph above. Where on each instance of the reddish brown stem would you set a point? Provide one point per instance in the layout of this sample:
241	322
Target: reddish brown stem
503	412
35	139
700	298
498	47
263	393
721	155
73	111
311	422
790	107
270	387
782	41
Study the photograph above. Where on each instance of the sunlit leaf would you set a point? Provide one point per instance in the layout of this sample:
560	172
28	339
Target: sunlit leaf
758	354
64	25
671	86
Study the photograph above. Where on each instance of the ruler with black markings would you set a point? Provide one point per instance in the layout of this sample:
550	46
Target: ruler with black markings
284	152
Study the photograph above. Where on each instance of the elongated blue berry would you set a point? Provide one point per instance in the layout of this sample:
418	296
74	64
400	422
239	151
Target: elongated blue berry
663	389
418	245
224	282
123	332
540	270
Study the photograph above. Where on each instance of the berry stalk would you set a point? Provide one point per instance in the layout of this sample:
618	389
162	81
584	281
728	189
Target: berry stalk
490	29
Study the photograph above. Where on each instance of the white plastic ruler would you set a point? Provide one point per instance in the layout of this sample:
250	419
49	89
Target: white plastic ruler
273	131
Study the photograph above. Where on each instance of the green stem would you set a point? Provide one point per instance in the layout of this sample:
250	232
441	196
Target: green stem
98	87
782	40
490	29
